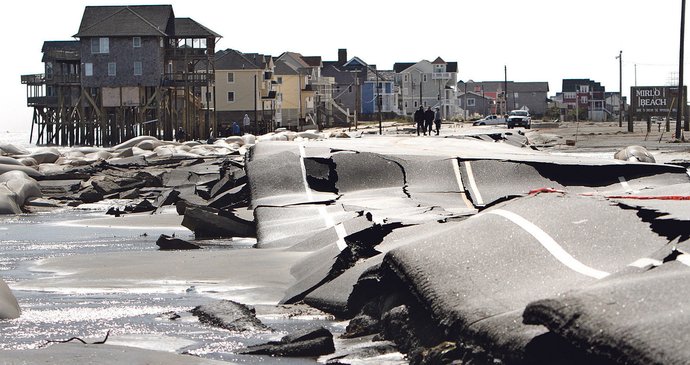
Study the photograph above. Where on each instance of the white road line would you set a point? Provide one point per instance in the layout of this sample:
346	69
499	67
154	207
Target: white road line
328	220
550	244
684	259
624	184
307	190
458	179
473	184
645	262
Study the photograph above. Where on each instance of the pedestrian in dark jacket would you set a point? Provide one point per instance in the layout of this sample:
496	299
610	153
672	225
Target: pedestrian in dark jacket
428	119
419	119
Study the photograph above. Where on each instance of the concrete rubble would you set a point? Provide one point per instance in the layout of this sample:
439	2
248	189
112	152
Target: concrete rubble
463	249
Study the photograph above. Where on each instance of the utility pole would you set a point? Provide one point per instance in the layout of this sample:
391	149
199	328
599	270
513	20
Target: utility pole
421	81
621	106
379	100
465	103
358	99
256	112
505	87
681	97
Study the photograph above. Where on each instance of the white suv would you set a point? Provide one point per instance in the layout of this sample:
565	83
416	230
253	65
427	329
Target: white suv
519	118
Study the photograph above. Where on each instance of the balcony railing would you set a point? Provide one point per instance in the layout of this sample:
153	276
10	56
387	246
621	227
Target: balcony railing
63	55
191	79
42	101
441	76
64	79
189	53
36	79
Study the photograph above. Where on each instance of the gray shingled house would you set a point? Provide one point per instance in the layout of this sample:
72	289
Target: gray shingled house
137	73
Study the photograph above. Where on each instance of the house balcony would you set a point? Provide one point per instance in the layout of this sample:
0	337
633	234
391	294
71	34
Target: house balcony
36	79
186	53
187	79
45	101
70	79
63	55
441	75
321	81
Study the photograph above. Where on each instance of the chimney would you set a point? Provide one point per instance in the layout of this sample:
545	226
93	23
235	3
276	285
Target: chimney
342	55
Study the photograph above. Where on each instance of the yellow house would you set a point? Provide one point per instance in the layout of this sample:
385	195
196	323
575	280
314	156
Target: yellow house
244	85
296	96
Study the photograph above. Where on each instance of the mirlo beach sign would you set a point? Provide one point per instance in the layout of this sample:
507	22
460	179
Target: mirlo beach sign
655	100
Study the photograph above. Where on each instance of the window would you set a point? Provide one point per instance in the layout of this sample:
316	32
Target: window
112	69
100	45
515	95
470	102
424	78
136	42
231	77
231	96
88	69
349	89
137	68
279	79
405	77
49	70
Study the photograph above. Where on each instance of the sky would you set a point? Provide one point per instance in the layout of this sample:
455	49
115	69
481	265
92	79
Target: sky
534	40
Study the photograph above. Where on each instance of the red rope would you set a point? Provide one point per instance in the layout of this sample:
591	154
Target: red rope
641	197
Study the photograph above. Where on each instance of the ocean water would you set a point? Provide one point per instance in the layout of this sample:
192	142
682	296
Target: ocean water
137	319
19	139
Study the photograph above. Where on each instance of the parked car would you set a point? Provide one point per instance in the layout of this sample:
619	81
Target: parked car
490	120
519	118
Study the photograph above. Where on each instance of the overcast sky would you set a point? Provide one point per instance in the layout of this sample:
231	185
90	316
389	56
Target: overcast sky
537	40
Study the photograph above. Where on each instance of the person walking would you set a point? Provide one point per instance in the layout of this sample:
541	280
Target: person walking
428	119
419	119
246	123
437	120
235	129
180	135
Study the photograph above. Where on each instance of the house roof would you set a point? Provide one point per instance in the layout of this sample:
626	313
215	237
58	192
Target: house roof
231	59
571	85
139	20
314	61
293	59
399	67
282	68
460	94
438	60
188	28
513	86
355	62
61	50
